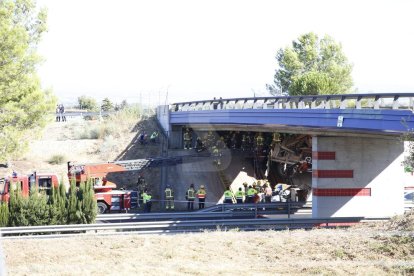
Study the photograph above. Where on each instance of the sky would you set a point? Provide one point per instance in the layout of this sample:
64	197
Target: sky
165	51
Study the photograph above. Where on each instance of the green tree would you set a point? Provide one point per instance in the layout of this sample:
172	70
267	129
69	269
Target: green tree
38	208
73	212
123	105
17	207
4	214
312	66
88	202
107	105
87	103
57	202
23	104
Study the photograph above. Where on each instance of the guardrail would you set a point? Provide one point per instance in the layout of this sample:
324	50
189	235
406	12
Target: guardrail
174	226
84	114
288	208
342	101
217	211
261	208
167	216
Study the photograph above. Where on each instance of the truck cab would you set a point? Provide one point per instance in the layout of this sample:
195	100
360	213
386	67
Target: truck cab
43	182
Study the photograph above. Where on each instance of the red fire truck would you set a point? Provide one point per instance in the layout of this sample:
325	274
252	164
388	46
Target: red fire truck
107	197
42	181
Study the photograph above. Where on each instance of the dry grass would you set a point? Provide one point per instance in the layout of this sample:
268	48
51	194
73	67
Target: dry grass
328	252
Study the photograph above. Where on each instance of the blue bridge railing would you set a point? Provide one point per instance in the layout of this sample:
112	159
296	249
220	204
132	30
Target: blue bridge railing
395	101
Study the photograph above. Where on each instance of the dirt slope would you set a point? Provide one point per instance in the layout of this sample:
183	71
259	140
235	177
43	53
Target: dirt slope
117	142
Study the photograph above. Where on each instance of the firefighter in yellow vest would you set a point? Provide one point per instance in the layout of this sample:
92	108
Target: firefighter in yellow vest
240	196
146	198
228	196
251	192
216	154
201	195
259	140
190	197
169	198
187	139
275	139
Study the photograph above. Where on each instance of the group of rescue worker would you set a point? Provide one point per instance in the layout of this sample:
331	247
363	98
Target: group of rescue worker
190	196
232	140
260	191
259	142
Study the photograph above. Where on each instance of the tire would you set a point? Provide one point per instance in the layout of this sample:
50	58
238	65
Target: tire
102	208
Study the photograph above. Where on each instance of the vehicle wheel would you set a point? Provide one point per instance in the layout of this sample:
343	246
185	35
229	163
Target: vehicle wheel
102	208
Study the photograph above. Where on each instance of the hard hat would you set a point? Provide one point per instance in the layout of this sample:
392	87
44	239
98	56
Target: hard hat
202	187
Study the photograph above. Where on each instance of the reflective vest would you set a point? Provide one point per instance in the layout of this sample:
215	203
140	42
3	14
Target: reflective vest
239	194
190	193
201	193
168	193
251	192
260	140
146	197
228	194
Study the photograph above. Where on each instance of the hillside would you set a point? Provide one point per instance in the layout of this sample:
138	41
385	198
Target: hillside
114	138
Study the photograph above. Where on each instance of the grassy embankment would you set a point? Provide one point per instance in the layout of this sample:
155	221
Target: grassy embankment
374	249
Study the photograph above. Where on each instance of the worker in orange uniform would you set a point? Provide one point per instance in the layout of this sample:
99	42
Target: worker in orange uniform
201	195
190	197
228	196
169	197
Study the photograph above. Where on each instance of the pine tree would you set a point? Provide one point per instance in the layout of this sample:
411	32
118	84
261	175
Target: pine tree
89	204
62	202
4	214
72	205
18	207
53	208
79	205
37	208
57	208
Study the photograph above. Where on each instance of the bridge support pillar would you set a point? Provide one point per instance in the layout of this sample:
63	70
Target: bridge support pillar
357	177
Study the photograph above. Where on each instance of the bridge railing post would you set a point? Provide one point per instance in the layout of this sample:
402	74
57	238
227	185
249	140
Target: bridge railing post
395	103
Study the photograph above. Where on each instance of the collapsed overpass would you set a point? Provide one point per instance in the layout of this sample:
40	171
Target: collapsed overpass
356	147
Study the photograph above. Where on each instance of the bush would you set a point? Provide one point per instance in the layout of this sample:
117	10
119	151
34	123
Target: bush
86	197
57	202
82	206
4	214
18	208
73	215
88	132
87	103
37	208
79	206
57	159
